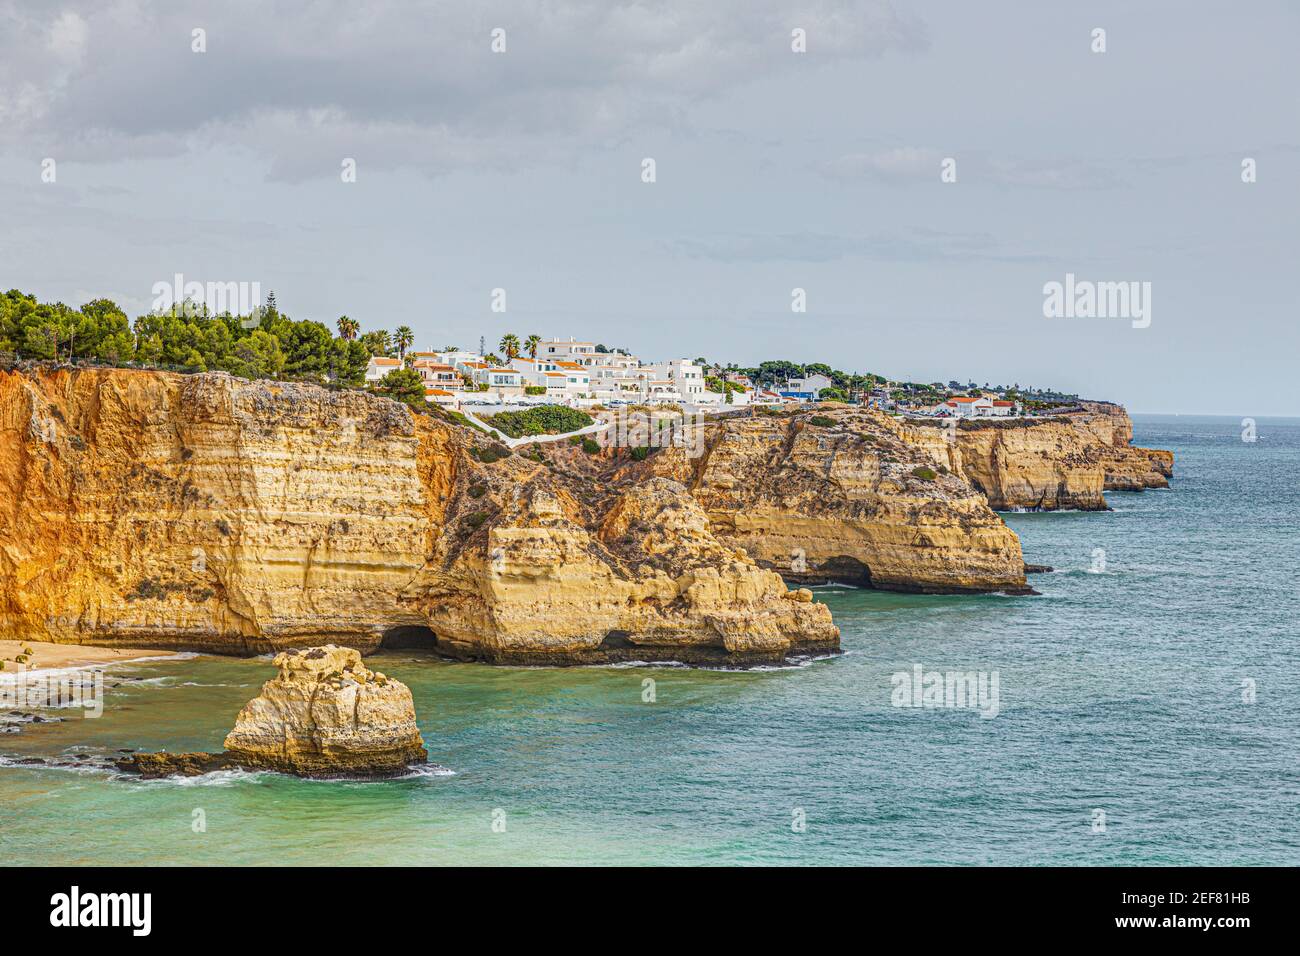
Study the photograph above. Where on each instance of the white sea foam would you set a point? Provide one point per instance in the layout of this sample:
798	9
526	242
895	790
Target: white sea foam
215	778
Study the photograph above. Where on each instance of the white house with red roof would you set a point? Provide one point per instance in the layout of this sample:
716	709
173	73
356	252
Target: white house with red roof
379	366
439	375
966	406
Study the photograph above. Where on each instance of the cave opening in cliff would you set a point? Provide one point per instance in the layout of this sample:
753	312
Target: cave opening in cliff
409	637
846	570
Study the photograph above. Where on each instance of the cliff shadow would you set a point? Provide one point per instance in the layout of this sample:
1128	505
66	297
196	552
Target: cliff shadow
409	637
842	569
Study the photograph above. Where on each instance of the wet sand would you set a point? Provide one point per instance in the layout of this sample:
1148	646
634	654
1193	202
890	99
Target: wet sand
48	656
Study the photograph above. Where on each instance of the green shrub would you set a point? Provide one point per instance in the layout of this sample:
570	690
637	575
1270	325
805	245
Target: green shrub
927	474
534	389
590	446
476	519
404	385
822	421
640	453
542	420
477	491
491	453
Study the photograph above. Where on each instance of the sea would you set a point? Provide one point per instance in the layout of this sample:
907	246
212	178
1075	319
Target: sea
1144	709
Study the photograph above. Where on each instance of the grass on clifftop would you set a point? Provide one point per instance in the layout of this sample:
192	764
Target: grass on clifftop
542	420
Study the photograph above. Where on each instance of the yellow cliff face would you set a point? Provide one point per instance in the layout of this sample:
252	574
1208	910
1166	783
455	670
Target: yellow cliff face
851	501
206	512
1059	462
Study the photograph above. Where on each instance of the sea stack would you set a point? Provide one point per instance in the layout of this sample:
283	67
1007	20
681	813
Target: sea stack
326	715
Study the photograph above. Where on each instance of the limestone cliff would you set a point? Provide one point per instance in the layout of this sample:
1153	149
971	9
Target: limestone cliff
1056	462
206	512
1127	467
839	493
326	714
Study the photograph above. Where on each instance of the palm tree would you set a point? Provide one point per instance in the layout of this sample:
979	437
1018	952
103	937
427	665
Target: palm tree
348	328
377	342
450	348
531	343
403	338
510	345
492	359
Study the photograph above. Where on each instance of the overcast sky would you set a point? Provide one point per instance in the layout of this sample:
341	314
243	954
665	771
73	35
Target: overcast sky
774	170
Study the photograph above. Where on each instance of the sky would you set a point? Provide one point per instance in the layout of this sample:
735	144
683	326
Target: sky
774	170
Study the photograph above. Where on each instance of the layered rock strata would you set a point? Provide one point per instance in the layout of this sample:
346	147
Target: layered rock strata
1058	462
838	493
209	513
326	714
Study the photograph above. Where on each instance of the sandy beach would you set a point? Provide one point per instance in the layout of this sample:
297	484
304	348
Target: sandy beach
45	656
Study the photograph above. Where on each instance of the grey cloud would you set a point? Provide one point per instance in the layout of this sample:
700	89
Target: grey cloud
417	82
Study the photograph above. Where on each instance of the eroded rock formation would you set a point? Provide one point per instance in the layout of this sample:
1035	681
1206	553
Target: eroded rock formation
206	512
839	493
1052	463
326	714
210	513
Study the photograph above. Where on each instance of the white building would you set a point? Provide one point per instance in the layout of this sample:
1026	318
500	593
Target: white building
964	406
452	357
379	366
439	375
807	388
689	378
496	380
562	379
583	353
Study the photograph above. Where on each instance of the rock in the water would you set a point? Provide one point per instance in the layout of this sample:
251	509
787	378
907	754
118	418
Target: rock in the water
326	715
153	766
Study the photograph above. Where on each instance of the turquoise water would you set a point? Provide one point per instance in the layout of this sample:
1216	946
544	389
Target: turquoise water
1118	691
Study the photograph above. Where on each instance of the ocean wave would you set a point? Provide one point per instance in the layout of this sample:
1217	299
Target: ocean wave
71	669
216	778
619	665
177	656
95	765
430	770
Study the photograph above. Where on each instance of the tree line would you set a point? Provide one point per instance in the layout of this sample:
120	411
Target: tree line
187	337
